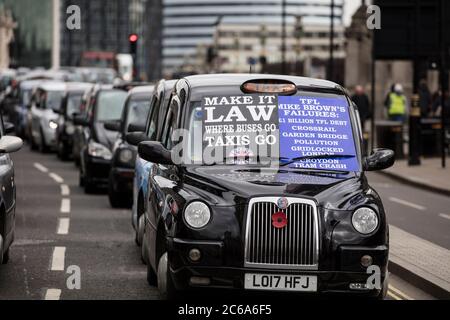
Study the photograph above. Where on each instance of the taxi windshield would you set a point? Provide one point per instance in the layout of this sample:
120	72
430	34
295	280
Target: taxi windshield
138	109
74	103
308	130
53	99
110	105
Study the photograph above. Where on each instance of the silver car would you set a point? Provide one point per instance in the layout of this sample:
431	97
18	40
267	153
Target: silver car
45	104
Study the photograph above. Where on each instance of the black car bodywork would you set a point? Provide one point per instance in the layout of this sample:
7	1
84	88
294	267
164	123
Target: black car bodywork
70	106
233	245
120	188
8	144
96	141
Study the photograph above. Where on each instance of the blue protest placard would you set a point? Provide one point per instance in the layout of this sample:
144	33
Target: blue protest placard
313	126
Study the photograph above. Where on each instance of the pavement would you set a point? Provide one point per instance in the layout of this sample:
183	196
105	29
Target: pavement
429	175
60	229
420	233
421	262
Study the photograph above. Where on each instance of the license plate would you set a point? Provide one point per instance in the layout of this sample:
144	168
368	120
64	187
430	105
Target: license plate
280	282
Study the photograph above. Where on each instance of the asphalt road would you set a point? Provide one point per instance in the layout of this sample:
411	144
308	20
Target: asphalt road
99	239
419	212
58	226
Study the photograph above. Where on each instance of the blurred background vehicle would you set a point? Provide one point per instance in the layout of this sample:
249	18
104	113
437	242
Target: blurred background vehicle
70	106
153	127
8	144
135	113
45	104
96	141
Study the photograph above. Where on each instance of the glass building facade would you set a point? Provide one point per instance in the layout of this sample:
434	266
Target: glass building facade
188	24
33	36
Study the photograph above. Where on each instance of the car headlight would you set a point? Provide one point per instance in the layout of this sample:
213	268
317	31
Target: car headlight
98	150
197	215
70	129
53	124
125	156
365	220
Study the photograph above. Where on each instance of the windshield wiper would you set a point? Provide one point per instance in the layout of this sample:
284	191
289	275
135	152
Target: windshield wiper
253	160
323	156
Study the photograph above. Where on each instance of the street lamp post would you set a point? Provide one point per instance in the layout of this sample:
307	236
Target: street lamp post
331	59
298	33
283	37
263	40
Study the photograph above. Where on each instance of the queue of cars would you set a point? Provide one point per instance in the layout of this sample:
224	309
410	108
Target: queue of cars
235	181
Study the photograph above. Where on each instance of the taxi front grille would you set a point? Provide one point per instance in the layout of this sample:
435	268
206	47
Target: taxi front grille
293	246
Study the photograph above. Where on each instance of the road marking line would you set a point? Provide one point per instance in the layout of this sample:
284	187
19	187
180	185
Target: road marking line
65	191
52	294
394	296
40	167
400	293
445	216
65	205
55	177
63	226
408	204
58	259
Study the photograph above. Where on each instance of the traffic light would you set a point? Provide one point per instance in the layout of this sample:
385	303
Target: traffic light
133	39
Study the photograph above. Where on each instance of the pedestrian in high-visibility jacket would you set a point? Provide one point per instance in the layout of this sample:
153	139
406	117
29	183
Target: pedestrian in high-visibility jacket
396	104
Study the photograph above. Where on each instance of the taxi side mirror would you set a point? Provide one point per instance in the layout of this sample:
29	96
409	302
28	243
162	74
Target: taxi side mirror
134	138
9	128
133	127
154	151
380	159
80	120
9	144
112	125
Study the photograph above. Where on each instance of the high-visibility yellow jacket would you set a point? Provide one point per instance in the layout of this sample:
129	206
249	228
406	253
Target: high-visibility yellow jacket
397	104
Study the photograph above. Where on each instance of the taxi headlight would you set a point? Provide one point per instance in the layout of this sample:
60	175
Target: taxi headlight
125	156
99	151
365	220
53	124
197	215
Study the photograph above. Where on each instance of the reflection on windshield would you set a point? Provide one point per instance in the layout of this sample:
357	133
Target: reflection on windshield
53	100
110	105
74	104
138	112
25	97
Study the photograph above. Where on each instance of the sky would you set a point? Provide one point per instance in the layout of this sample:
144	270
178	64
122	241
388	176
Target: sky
349	10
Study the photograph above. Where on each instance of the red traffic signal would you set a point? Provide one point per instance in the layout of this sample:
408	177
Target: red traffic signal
133	37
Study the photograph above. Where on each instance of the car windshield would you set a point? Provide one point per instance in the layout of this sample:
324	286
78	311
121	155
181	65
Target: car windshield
25	97
310	130
74	103
53	99
110	105
138	109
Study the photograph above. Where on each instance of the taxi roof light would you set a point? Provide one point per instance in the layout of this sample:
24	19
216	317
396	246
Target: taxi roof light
269	86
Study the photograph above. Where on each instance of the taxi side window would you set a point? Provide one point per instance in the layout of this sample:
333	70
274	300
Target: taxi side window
152	124
170	124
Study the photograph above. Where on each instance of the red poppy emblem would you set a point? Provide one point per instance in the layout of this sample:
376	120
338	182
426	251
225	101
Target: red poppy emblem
279	220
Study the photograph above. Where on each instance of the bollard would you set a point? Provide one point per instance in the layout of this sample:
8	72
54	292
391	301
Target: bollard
414	132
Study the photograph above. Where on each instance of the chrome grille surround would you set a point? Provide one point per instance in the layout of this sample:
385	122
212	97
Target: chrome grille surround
262	244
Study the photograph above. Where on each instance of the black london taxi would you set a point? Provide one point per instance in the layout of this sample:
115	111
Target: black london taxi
8	144
70	106
134	117
259	185
96	141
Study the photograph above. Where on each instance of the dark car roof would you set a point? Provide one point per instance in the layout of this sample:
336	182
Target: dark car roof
78	86
229	79
169	84
142	90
